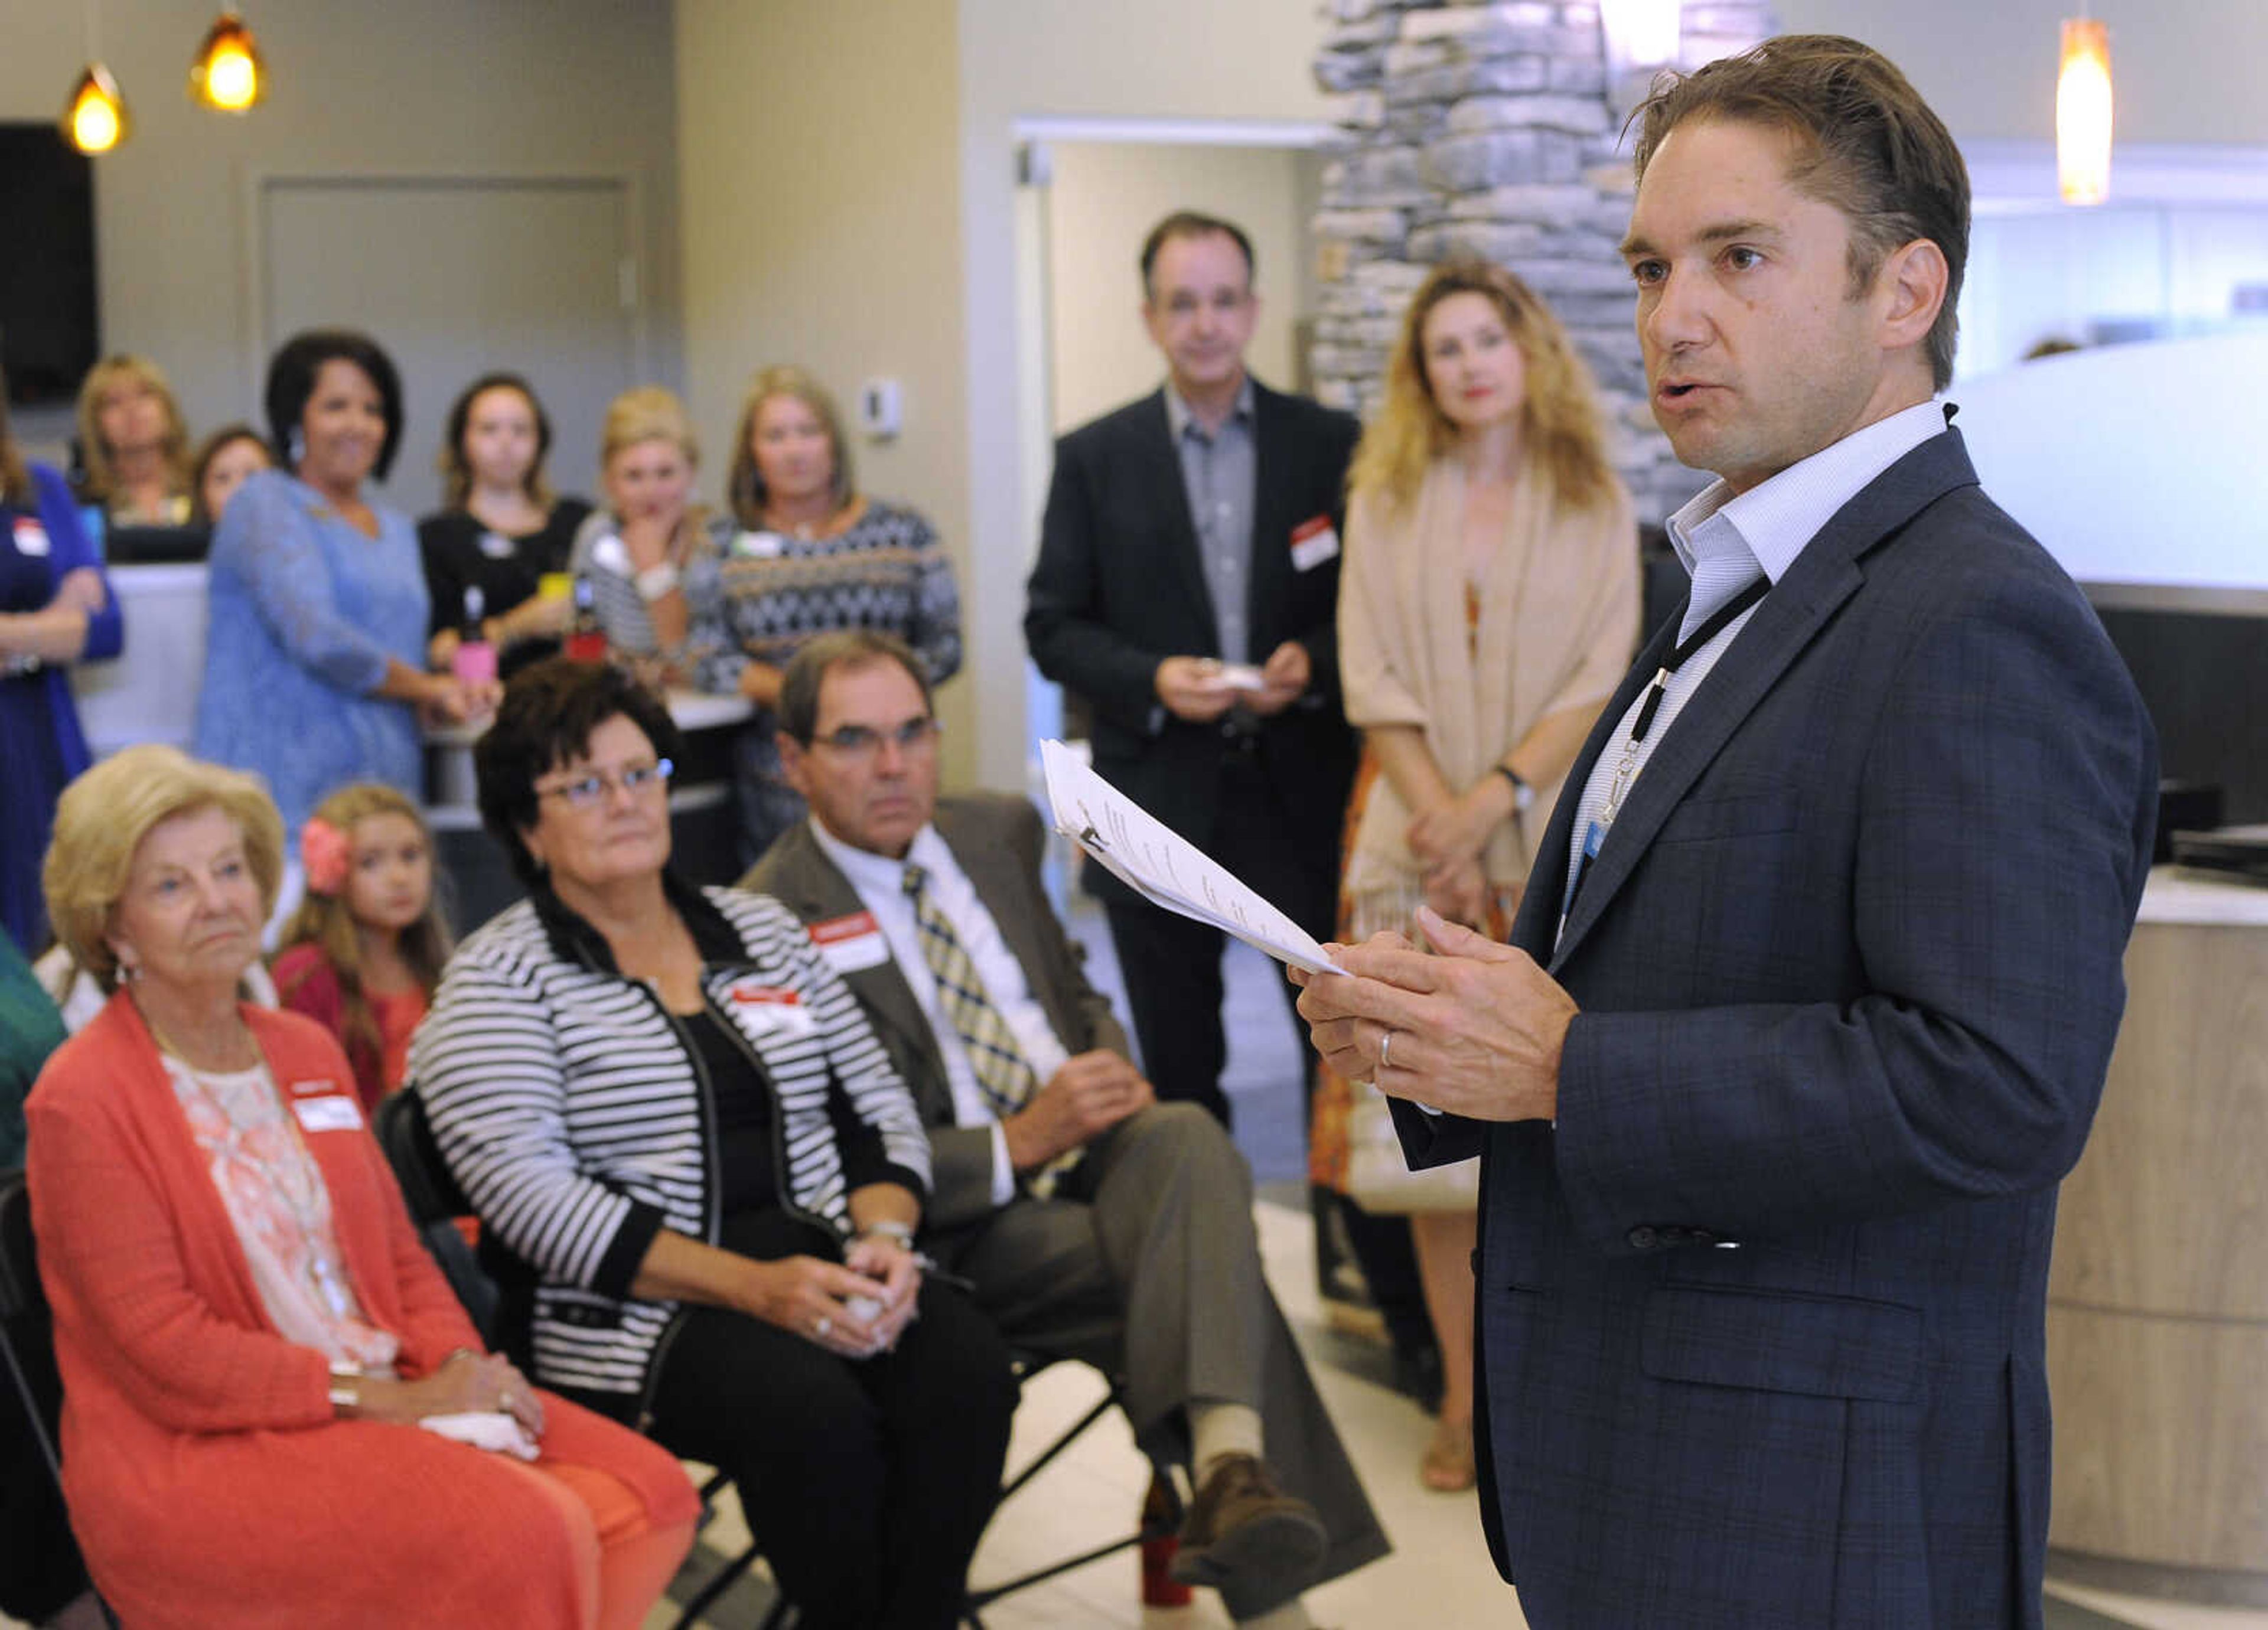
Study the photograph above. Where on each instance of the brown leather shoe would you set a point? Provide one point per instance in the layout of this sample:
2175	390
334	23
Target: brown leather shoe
1248	1539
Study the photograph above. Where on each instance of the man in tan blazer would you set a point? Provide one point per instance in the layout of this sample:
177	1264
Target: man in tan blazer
1093	1220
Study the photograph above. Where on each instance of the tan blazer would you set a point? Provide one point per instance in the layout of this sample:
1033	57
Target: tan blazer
1558	620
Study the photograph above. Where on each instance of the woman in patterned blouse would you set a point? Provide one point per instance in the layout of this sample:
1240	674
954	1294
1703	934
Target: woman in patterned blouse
813	554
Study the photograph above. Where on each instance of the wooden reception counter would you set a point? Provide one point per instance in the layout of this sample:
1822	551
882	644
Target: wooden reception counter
2158	1298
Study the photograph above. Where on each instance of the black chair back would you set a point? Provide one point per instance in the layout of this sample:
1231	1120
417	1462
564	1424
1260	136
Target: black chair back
435	1200
41	1569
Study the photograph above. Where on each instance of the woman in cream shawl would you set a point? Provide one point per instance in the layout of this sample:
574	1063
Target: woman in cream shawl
1488	608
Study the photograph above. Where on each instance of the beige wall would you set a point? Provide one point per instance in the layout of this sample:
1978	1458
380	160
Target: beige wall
821	227
1104	199
409	86
2184	70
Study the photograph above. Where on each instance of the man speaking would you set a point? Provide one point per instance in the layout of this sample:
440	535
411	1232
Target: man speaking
1776	1080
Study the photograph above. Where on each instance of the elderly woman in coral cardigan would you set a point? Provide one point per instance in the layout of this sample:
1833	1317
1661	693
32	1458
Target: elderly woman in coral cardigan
275	1411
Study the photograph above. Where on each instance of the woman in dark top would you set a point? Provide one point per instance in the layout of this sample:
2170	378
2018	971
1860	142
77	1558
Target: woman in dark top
55	608
502	528
669	1109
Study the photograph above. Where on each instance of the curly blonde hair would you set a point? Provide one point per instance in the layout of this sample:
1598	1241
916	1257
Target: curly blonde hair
1559	420
326	920
102	818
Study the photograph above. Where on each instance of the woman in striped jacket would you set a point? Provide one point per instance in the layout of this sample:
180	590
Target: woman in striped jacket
670	1113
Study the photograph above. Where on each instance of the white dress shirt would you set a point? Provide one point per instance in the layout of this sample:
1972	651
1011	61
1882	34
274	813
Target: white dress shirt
1763	530
880	882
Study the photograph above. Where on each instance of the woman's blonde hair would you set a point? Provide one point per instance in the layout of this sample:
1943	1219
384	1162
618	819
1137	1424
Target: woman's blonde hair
649	413
325	919
1559	420
744	489
102	818
94	454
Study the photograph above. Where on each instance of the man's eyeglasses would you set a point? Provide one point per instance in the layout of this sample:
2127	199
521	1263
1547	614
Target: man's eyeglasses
588	792
864	740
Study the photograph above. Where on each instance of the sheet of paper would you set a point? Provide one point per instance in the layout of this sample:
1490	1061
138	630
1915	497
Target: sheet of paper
1163	867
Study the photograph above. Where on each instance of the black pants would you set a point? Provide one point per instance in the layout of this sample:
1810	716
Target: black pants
1172	970
1172	965
867	1482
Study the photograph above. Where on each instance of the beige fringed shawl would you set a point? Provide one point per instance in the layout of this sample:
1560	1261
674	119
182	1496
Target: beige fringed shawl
1558	622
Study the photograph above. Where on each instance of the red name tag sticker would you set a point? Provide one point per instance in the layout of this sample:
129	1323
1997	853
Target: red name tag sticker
335	1112
769	995
851	943
321	1087
30	536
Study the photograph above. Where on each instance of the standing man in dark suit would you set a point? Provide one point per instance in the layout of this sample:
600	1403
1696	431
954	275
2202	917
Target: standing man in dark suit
1091	1218
1187	586
1774	1088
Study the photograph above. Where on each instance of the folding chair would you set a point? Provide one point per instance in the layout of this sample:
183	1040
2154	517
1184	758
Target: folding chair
1029	1362
436	1201
27	1346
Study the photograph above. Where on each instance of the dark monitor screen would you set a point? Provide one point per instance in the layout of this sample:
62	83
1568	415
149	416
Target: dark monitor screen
156	546
49	334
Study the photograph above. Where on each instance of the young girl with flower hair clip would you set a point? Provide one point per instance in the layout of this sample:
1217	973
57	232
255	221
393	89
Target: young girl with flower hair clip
363	952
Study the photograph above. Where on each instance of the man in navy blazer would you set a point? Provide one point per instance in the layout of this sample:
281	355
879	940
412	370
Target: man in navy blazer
1187	588
1812	993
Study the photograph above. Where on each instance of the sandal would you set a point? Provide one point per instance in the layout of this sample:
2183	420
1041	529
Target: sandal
1448	1467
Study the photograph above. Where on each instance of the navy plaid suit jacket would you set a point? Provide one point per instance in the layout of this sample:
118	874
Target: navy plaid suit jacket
1761	1331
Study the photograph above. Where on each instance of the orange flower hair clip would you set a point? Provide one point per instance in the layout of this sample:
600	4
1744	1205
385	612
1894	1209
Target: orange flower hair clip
324	854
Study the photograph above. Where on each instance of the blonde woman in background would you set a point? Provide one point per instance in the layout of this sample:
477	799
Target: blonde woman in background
813	554
650	555
1489	608
134	444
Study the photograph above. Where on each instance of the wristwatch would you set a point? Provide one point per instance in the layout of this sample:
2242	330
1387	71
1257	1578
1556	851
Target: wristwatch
1522	794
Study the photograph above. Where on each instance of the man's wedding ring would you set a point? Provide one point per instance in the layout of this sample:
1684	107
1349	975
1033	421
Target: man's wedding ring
824	1327
1384	1042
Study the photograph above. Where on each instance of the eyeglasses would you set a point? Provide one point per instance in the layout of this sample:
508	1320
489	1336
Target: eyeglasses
589	792
864	741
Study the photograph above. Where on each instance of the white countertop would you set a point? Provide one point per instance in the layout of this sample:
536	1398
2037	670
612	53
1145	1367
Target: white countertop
692	710
2176	894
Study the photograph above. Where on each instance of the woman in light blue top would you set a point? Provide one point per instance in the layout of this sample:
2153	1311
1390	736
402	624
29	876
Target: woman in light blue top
317	631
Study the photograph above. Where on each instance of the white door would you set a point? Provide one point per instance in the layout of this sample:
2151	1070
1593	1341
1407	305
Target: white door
455	276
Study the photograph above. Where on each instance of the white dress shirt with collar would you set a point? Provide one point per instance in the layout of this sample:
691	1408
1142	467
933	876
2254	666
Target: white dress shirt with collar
880	883
1765	529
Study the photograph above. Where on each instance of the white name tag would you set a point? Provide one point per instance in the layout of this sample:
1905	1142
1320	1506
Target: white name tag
612	555
496	546
30	536
1314	543
770	1009
851	943
757	545
334	1113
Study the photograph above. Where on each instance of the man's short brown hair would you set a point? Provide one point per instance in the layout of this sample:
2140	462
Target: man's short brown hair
849	647
1868	145
1190	224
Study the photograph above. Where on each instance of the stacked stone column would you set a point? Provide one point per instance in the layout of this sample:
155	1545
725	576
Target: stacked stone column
1492	130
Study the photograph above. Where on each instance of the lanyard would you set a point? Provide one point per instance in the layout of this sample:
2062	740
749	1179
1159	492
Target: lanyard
1626	768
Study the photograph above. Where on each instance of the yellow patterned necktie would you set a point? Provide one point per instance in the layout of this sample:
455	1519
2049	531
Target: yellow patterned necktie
1003	1074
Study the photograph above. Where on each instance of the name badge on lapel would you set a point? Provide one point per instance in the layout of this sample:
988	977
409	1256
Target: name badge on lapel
30	536
851	943
335	1111
496	546
757	545
1314	543
770	1009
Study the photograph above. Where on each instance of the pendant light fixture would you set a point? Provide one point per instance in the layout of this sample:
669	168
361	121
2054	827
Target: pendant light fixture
2083	111
94	118
228	75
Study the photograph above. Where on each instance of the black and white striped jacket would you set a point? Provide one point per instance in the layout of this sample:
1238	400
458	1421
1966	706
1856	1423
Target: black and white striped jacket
574	1112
